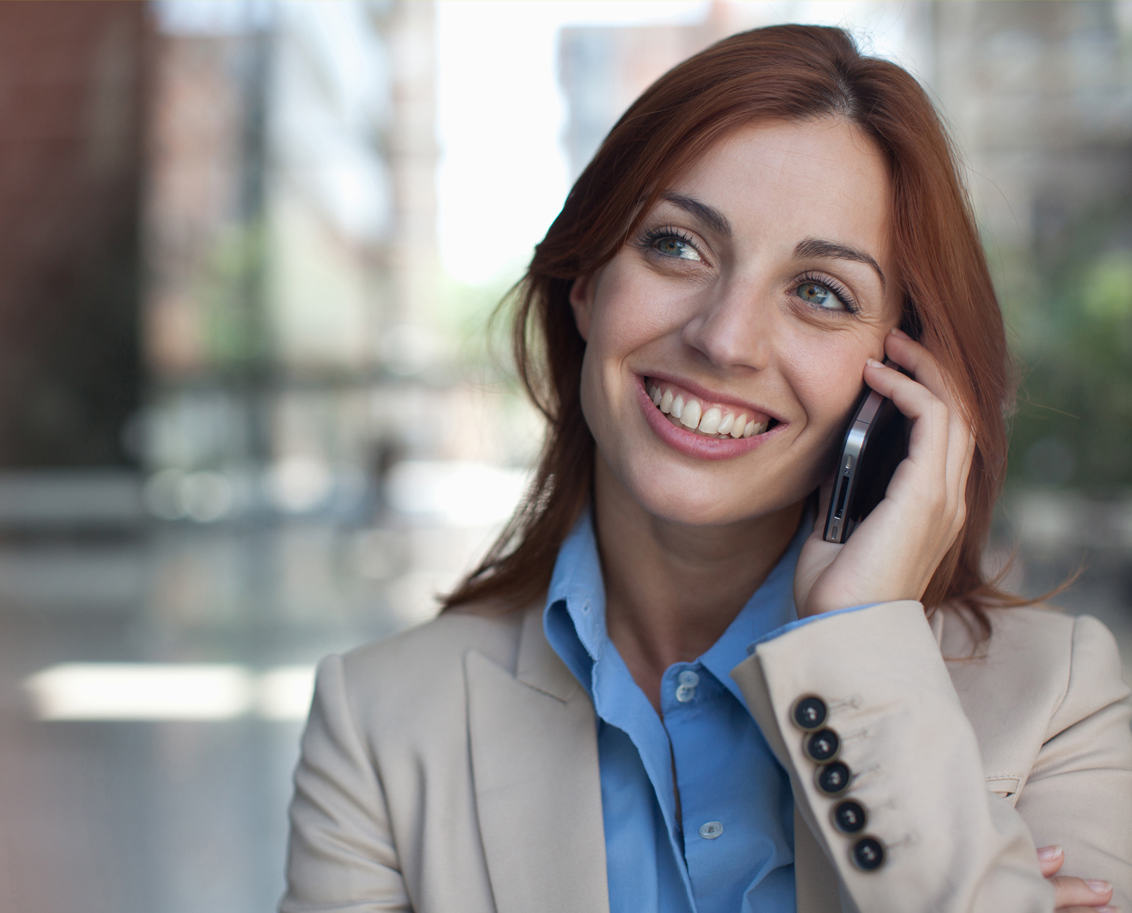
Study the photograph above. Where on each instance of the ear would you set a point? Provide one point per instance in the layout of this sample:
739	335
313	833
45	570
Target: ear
582	303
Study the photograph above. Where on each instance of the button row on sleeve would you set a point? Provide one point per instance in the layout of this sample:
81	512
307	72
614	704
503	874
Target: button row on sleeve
822	745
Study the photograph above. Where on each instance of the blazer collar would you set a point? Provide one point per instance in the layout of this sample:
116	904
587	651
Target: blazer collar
538	665
533	738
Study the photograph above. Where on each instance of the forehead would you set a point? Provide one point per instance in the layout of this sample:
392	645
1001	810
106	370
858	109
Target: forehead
814	178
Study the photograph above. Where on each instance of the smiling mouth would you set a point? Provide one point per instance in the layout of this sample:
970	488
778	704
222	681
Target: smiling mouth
713	420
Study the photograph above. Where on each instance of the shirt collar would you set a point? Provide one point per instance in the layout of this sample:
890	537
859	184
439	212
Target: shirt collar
574	618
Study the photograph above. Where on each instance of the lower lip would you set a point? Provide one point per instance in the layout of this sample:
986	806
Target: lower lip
695	445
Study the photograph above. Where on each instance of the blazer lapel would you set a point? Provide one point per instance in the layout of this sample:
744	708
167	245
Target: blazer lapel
534	755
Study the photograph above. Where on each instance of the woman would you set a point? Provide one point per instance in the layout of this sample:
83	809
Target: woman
583	728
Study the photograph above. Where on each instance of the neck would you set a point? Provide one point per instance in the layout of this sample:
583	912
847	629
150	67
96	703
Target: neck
671	589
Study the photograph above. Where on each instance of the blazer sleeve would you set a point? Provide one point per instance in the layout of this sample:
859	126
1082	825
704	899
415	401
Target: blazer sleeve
341	855
1079	792
933	838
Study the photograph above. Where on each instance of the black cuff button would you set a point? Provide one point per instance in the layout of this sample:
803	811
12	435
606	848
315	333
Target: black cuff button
849	816
822	746
868	854
833	779
810	713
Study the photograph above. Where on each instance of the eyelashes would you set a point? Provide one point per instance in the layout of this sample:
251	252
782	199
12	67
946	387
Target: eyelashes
650	240
683	249
835	288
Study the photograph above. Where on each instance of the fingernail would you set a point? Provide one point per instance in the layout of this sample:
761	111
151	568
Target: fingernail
1100	887
872	363
1107	909
1050	852
896	331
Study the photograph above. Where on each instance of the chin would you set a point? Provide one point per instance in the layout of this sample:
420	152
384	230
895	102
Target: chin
688	499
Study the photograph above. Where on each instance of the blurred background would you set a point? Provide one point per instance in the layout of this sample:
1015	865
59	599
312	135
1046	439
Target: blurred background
251	411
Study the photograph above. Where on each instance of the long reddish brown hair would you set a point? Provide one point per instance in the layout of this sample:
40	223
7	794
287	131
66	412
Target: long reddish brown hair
789	72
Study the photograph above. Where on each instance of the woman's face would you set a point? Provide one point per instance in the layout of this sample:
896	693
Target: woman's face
747	302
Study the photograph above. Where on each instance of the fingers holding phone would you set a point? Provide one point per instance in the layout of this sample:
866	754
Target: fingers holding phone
941	445
894	549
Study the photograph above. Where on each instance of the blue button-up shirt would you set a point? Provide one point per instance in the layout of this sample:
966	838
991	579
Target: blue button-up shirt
731	847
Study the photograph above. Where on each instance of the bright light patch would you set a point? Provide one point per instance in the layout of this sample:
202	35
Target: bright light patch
502	175
459	493
168	691
284	693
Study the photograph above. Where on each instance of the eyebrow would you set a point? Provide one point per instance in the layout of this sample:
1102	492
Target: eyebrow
814	247
709	215
811	247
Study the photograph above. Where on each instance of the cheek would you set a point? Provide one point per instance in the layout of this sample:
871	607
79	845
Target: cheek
826	376
588	394
603	380
634	308
625	324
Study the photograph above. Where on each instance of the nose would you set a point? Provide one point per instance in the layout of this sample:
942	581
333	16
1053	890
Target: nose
733	327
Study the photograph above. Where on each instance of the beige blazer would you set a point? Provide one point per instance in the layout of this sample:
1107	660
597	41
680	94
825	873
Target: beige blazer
454	767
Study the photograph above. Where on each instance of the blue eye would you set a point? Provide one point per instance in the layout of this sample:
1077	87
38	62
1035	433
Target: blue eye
821	296
670	243
677	247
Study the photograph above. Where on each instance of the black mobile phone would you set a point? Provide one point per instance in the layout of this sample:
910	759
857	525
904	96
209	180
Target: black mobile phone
873	446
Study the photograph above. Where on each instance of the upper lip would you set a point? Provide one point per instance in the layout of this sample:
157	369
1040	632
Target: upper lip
711	396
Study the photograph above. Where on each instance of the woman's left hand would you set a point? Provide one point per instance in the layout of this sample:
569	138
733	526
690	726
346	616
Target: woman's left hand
1073	895
895	551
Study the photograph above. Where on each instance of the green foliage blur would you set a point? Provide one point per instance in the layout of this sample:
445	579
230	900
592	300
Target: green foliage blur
228	287
1069	312
477	321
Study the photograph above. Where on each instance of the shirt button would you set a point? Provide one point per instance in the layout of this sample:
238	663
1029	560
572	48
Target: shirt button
685	693
688	677
711	830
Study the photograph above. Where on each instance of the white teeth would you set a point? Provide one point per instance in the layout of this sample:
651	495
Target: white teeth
713	421
709	424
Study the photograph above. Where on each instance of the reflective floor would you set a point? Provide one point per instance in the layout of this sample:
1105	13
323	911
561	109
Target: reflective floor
189	815
178	815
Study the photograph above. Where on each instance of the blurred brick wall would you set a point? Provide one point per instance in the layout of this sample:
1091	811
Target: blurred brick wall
71	77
